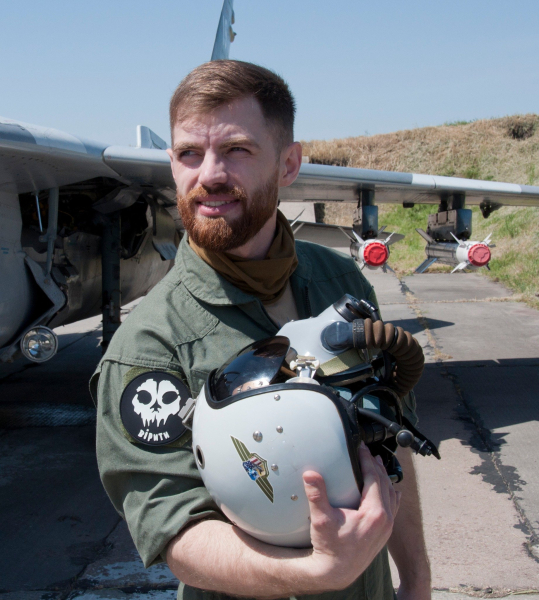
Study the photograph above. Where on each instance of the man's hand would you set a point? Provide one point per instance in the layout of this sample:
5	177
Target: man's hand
346	541
213	555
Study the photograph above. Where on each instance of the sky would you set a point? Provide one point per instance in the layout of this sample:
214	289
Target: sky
98	69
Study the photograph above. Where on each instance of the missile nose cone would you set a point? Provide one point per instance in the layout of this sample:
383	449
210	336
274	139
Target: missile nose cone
479	255
375	254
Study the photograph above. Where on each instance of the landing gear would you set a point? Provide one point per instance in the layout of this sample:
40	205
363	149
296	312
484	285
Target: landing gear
110	269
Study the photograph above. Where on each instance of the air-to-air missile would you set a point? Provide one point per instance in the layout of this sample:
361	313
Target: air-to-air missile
369	245
373	253
462	253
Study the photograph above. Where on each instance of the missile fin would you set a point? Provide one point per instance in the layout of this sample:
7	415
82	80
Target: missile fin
299	226
357	236
461	266
395	237
297	218
425	236
425	265
347	234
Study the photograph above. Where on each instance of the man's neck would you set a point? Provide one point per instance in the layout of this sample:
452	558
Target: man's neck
257	247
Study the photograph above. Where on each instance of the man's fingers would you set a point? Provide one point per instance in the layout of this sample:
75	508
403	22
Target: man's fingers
315	489
368	467
377	486
386	488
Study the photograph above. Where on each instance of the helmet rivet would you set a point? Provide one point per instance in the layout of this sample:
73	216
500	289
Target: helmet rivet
293	497
274	467
279	429
257	436
276	397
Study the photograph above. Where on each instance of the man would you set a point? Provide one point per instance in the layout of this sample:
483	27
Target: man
238	277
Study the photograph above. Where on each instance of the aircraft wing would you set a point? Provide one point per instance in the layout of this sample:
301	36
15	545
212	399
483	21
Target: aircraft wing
323	183
84	226
33	158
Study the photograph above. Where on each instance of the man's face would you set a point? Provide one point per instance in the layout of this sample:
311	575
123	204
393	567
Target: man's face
227	172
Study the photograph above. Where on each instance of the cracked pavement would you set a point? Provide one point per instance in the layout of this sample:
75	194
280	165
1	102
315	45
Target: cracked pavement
478	399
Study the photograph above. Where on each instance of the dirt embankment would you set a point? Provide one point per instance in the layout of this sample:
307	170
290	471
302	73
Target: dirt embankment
503	149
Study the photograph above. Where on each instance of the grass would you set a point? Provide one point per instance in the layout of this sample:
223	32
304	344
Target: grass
504	149
455	123
515	262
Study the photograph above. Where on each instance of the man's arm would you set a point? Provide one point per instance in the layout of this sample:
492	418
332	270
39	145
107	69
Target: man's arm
216	556
407	543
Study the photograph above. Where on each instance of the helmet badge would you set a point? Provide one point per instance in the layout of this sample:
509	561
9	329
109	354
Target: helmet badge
255	466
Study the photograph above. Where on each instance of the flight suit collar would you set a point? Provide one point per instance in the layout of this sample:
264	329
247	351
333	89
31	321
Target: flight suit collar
207	285
203	281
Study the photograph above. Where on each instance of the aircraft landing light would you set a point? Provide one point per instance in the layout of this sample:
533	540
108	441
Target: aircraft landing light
39	344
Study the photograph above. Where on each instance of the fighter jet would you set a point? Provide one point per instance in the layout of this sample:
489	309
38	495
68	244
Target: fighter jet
86	227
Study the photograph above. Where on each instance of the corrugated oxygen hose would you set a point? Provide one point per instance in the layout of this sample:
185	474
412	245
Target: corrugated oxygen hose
406	350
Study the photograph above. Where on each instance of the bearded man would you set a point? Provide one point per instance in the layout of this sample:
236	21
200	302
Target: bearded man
238	277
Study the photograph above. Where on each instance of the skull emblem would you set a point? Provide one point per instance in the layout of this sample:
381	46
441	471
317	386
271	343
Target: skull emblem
155	402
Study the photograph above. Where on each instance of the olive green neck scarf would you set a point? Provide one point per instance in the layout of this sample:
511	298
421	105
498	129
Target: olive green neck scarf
267	278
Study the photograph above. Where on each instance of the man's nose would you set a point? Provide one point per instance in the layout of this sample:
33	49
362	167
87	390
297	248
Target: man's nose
212	171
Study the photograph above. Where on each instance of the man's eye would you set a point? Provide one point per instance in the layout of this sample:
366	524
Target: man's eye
238	149
186	153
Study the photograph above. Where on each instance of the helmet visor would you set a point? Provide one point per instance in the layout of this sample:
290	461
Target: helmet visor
257	365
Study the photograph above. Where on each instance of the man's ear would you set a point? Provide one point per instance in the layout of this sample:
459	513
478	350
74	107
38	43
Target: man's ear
289	164
169	152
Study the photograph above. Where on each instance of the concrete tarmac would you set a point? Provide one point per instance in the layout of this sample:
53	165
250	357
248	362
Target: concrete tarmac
478	400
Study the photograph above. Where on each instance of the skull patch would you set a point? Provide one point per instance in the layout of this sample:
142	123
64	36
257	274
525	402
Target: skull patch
150	407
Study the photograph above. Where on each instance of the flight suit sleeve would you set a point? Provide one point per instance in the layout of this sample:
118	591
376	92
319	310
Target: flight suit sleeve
156	489
409	408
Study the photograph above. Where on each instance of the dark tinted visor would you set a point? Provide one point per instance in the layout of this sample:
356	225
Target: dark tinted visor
257	365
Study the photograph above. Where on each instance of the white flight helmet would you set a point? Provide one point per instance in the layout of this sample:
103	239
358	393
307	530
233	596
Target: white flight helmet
257	429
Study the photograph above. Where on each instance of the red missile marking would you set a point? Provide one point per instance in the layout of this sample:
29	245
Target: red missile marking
479	255
375	254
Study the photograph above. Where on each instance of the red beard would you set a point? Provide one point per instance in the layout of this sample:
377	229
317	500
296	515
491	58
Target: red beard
216	233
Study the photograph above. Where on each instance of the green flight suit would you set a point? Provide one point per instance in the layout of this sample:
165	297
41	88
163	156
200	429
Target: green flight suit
190	324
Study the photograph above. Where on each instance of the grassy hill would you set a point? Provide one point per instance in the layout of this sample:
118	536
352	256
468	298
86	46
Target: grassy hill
504	149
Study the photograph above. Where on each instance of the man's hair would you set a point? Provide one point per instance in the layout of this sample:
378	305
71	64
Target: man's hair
220	82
